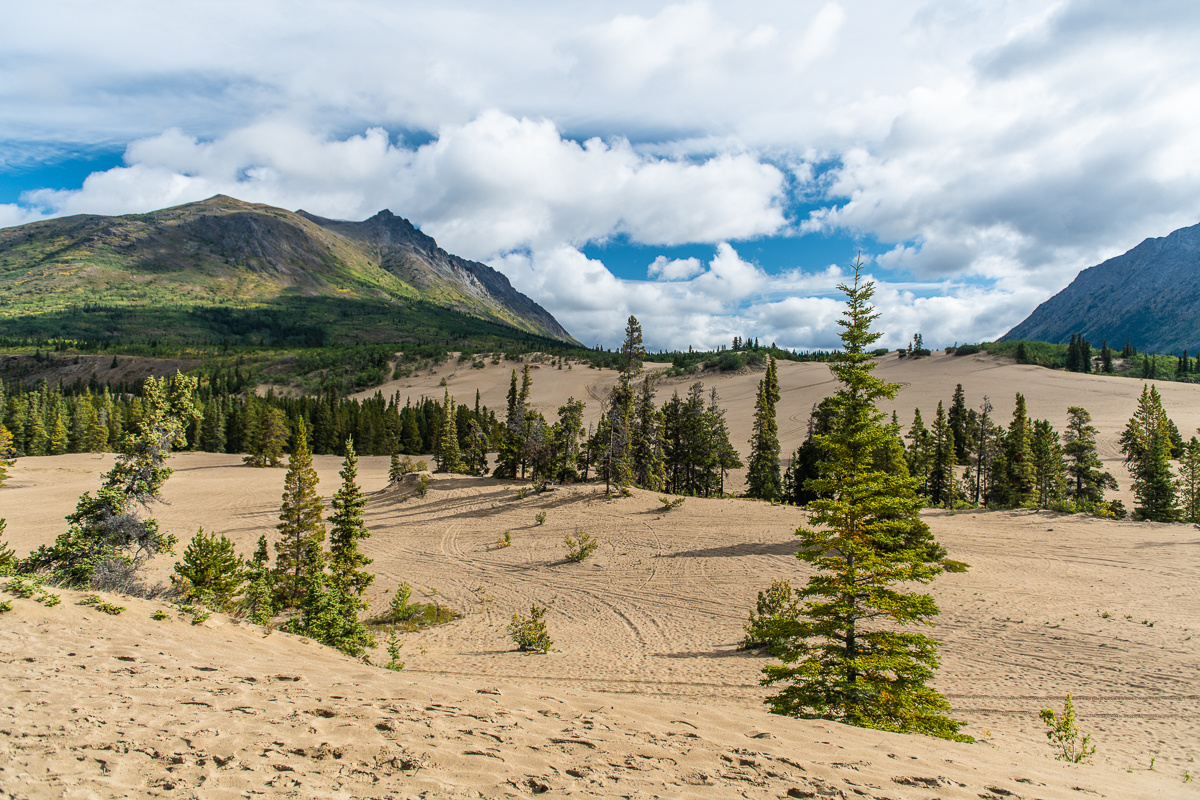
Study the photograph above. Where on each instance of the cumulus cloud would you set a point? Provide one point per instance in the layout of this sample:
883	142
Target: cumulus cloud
990	150
489	186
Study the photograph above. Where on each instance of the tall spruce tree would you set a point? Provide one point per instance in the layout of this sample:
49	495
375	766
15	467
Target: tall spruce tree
1049	468
763	480
301	527
850	658
957	416
108	527
449	457
348	579
649	470
942	481
1086	480
920	452
1016	485
1146	443
1189	481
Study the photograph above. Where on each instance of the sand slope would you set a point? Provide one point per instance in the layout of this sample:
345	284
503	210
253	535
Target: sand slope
645	637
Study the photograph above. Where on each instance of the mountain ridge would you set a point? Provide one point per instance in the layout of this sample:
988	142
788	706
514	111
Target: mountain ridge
223	253
1148	295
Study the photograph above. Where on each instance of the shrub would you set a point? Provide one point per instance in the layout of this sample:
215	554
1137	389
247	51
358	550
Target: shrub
95	602
121	576
48	599
212	569
522	493
1064	734
669	504
505	540
967	350
24	587
393	648
540	518
400	610
529	633
580	546
422	485
5	605
160	615
777	603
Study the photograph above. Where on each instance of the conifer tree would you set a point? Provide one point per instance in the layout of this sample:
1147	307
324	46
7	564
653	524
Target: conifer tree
449	457
1049	469
213	571
59	440
260	590
1189	481
920	452
849	659
1146	443
941	482
1106	358
37	439
510	448
474	458
1086	481
270	435
570	429
632	352
763	480
348	580
395	471
7	454
723	457
410	434
301	528
649	470
1016	487
957	417
108	527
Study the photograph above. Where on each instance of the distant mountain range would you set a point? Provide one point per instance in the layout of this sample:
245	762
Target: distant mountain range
224	267
1149	296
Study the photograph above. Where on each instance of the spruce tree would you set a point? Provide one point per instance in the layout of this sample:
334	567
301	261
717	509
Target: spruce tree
1106	358
570	429
920	452
1146	443
1086	481
395	471
348	580
1016	485
1049	469
449	457
59	439
850	659
213	571
108	527
941	483
7	454
509	454
259	601
649	469
957	416
763	480
1189	481
301	528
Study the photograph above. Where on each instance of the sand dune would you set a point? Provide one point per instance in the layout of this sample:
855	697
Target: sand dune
645	693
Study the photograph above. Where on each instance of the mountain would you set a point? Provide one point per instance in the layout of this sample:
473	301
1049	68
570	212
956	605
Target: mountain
223	267
1150	296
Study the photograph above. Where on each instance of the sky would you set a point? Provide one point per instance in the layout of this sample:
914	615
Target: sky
712	168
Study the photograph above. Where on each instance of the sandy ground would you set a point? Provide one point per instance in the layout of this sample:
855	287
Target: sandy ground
645	693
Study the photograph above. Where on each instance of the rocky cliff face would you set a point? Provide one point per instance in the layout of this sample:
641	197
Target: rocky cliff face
1149	295
416	259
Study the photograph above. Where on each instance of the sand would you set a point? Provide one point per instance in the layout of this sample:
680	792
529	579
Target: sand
645	693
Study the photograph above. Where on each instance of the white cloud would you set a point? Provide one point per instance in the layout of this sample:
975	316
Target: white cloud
1001	144
676	269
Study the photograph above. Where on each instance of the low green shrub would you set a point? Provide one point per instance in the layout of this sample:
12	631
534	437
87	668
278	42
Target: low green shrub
580	546
529	633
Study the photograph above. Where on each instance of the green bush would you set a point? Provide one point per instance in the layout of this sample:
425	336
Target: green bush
1064	734
580	546
540	518
671	504
777	606
211	570
505	540
529	633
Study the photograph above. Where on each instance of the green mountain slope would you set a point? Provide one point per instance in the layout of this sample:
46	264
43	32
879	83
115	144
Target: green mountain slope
229	269
1148	296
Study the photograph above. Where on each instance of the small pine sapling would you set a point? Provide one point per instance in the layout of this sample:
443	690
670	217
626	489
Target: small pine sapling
422	485
1064	734
777	604
393	648
505	540
400	610
580	546
540	518
671	505
529	633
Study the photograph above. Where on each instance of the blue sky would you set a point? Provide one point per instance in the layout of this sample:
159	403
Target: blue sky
708	166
